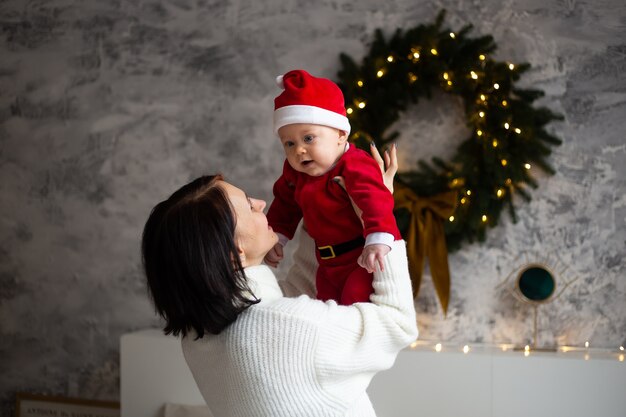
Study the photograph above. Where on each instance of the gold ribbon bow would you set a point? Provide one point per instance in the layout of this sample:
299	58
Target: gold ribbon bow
426	238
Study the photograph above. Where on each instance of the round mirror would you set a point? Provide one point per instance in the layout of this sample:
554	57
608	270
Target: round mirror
536	283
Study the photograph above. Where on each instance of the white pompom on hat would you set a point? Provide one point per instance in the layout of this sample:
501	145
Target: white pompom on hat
309	99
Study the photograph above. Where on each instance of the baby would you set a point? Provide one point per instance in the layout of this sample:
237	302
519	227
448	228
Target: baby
310	119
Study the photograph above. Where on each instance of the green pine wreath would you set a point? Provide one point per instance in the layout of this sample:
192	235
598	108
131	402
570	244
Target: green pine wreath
508	134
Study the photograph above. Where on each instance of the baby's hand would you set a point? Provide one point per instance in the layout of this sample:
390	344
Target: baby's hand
274	256
373	255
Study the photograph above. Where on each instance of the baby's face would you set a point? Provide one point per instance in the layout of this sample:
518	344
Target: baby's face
312	149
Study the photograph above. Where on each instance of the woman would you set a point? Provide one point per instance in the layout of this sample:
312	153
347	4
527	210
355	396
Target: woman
251	350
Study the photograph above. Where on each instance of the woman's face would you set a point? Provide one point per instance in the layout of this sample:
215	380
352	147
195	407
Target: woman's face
253	235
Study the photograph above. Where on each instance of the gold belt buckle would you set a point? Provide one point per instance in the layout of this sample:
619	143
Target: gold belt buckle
332	255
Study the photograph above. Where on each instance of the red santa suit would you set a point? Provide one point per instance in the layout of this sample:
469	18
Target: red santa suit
330	219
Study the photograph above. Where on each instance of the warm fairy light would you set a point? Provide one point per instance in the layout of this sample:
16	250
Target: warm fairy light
494	143
508	181
438	347
511	67
479	132
504	103
474	75
481	114
527	353
621	357
412	77
451	218
452	35
433	51
390	58
504	162
359	83
463	200
526	348
416	54
445	76
361	105
380	73
500	192
481	57
518	130
482	97
496	86
621	348
484	218
414	345
587	344
506	125
469	192
349	110
527	166
466	349
449	82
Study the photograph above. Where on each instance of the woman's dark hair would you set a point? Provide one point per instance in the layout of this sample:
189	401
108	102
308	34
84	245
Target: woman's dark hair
195	276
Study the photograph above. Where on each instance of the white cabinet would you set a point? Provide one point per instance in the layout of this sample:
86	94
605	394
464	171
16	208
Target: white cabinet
422	383
153	372
501	384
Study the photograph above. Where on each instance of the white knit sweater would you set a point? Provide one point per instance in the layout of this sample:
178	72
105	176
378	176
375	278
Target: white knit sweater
301	356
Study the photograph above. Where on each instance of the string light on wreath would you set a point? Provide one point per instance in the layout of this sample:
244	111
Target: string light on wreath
492	162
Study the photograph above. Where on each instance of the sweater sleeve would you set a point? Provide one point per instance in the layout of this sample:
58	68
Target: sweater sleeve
364	184
359	340
284	213
300	279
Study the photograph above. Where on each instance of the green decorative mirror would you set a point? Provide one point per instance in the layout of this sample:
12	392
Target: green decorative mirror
535	284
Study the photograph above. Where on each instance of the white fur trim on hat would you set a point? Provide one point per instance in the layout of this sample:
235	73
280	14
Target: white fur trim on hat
309	114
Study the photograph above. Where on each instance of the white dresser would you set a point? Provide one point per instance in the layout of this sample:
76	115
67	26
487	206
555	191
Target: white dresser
489	382
485	382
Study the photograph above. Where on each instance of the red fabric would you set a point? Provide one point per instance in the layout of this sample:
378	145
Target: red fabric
347	283
328	213
303	89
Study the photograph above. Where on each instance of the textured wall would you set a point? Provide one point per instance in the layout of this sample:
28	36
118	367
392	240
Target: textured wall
107	107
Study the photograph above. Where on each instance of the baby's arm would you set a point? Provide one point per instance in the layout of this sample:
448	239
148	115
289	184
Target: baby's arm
364	184
374	253
283	215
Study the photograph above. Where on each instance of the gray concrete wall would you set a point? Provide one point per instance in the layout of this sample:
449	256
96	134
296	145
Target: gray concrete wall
107	107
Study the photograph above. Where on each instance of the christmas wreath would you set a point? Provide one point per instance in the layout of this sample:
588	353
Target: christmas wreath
443	203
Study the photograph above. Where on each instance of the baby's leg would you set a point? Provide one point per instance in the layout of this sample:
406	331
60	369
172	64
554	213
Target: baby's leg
327	287
358	287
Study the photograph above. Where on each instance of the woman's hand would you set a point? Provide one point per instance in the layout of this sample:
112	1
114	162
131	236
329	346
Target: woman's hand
274	256
391	164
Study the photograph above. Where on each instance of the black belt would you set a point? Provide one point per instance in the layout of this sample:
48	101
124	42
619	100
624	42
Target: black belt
332	251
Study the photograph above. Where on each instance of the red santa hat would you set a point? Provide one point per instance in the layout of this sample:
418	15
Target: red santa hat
309	99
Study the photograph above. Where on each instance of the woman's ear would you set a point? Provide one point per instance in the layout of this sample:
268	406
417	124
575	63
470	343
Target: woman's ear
240	253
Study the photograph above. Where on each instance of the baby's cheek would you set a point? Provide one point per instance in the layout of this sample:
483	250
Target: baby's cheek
292	162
